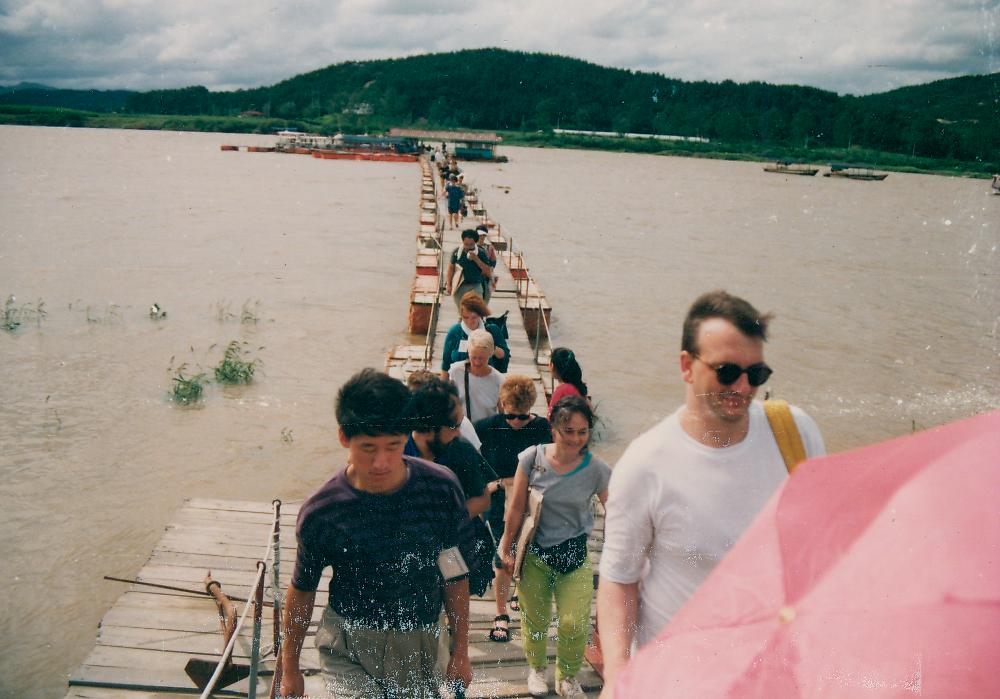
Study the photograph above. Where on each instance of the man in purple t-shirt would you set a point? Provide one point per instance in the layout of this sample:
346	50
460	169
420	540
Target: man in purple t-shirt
381	524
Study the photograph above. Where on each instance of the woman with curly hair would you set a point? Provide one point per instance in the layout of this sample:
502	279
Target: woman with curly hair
557	564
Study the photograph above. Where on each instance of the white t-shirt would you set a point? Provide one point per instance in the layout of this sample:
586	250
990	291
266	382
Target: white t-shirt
484	391
676	506
468	430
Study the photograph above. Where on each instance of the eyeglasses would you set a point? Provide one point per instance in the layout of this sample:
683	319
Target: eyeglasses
516	416
728	373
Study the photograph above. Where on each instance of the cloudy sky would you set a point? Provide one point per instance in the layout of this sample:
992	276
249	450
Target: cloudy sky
848	46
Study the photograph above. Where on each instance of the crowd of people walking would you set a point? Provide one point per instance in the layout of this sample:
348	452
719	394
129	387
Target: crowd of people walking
453	484
399	524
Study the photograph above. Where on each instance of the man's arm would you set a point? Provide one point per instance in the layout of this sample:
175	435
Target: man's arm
456	606
483	264
478	504
617	616
298	613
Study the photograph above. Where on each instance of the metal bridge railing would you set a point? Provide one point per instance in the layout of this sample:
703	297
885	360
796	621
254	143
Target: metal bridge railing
273	553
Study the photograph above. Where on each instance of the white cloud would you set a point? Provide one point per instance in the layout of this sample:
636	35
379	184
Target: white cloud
853	46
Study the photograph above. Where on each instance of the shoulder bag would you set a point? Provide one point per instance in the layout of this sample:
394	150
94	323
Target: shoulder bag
786	432
529	525
468	399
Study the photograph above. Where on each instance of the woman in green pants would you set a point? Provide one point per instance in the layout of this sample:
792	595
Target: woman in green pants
557	564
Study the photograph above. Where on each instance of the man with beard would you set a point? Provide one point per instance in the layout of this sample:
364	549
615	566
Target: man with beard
435	413
684	491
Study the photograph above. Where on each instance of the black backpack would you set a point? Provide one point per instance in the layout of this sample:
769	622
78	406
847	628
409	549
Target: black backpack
499	322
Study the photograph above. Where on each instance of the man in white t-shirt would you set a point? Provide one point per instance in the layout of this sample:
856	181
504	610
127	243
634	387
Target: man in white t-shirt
685	490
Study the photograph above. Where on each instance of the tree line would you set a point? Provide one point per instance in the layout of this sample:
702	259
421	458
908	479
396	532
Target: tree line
495	89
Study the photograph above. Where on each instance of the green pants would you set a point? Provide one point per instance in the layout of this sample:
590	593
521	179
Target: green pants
573	592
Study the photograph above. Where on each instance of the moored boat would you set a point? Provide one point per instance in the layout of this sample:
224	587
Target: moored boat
787	167
855	172
300	142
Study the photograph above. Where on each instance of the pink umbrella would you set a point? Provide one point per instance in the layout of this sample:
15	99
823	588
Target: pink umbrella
871	573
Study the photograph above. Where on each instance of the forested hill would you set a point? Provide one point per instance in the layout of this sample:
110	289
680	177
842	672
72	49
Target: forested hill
45	96
496	89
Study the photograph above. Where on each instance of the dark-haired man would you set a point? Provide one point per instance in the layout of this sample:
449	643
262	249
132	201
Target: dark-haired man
684	491
475	264
389	526
436	416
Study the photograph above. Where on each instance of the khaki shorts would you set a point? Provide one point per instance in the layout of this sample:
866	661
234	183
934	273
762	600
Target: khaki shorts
364	663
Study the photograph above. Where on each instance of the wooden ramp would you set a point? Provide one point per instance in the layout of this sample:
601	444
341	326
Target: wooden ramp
148	636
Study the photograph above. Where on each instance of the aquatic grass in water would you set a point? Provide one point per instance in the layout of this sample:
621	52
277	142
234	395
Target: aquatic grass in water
235	367
14	316
249	314
187	389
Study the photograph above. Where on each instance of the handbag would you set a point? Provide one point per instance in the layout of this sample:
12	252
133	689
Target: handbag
461	270
529	525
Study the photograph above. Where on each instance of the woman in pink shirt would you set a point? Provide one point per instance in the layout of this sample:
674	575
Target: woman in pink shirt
566	370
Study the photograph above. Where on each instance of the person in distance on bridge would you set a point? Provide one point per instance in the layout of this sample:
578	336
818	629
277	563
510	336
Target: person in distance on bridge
456	197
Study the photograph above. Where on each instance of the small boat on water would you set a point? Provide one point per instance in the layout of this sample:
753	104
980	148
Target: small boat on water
787	167
855	172
300	142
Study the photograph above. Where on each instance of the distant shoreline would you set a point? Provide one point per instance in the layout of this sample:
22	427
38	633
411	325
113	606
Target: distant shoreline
24	115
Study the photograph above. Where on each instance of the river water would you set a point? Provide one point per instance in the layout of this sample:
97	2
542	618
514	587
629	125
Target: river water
886	299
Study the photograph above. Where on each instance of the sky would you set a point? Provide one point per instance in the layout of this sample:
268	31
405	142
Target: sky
846	46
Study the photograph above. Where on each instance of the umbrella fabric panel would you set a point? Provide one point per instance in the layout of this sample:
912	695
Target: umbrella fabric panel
908	603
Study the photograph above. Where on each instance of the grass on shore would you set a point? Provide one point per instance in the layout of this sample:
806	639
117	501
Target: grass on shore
51	116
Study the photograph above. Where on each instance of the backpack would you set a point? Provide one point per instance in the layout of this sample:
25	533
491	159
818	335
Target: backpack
499	322
499	325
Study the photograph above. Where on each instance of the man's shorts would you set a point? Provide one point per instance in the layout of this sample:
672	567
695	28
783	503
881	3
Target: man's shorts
360	662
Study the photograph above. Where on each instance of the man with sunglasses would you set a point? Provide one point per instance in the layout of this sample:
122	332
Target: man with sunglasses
684	491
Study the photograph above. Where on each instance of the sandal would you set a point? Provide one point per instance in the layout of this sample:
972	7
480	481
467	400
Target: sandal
500	634
514	604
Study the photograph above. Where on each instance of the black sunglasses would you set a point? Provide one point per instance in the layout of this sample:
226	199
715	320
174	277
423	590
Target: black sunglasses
516	416
729	373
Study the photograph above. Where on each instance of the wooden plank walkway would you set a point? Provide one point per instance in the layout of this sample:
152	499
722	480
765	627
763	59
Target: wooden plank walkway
148	636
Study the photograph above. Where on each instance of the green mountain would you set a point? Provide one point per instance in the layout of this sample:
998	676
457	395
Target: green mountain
45	96
496	89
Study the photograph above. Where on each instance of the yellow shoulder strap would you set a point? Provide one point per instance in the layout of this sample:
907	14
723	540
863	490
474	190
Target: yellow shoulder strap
786	433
